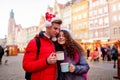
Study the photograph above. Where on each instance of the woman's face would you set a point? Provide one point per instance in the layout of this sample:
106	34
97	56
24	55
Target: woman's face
61	38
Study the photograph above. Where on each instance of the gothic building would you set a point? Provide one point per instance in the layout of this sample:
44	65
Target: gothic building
11	29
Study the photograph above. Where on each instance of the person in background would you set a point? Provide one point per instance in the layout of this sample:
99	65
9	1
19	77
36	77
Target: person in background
108	53
7	51
96	55
104	53
88	53
44	68
74	55
1	53
114	53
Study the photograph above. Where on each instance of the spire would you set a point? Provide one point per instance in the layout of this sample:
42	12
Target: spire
11	14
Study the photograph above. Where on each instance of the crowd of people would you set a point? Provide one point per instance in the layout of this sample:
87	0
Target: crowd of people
106	53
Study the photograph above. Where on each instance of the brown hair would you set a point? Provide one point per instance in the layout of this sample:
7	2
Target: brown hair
57	21
71	45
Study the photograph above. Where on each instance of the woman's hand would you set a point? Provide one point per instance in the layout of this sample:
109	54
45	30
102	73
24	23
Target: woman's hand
71	68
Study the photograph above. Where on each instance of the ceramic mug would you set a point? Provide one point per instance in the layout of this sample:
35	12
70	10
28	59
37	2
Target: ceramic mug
60	55
64	67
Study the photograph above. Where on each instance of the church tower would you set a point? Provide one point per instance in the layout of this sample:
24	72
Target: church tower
11	29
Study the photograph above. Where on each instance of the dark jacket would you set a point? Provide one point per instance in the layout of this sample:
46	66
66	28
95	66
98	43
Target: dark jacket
114	53
1	51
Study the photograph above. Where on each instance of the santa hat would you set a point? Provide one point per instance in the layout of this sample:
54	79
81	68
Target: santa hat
49	19
66	29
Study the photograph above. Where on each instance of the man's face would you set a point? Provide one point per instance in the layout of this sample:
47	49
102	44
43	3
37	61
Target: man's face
54	29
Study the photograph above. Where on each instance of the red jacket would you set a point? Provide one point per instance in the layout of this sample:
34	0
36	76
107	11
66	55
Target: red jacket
39	68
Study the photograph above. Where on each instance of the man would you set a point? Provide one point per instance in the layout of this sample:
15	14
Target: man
44	68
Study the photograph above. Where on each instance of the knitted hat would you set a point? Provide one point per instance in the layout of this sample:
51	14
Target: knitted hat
66	29
50	18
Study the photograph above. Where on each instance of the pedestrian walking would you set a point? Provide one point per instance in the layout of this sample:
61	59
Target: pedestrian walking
114	55
1	53
74	56
109	53
88	53
44	68
104	53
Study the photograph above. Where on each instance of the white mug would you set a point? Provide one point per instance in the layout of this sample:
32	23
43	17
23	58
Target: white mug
60	55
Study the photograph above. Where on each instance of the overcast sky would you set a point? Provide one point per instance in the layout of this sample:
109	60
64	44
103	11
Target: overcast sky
26	12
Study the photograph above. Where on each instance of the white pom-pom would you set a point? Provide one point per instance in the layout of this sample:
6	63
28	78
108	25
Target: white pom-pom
54	39
47	24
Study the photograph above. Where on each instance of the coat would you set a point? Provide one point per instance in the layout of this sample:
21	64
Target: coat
81	68
40	69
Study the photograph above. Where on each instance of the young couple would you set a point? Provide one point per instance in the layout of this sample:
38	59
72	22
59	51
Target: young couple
46	66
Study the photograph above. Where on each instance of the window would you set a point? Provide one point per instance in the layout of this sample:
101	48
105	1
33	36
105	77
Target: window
90	7
105	9
85	24
118	6
114	7
93	5
100	2
80	26
90	24
95	12
96	33
107	33
115	31
85	34
91	34
100	21
119	17
101	33
79	16
84	15
74	18
106	20
119	29
114	18
95	21
100	11
97	3
80	35
76	36
90	14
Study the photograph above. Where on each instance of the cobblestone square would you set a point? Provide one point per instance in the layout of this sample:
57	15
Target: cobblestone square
13	69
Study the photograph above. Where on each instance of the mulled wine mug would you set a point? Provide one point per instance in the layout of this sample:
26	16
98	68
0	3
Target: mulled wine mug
64	67
60	55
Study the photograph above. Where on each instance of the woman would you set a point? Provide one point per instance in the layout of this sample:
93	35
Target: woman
74	55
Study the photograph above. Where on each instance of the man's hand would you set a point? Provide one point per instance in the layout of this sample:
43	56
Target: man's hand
52	58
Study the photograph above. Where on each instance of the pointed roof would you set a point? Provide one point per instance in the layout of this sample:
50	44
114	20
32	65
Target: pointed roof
12	14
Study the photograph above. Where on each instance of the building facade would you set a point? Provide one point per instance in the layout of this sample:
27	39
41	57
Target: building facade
114	11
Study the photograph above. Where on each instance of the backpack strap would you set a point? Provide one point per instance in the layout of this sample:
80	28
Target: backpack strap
38	44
